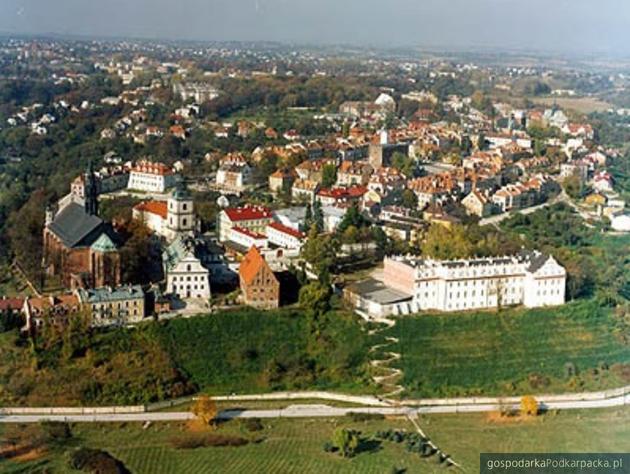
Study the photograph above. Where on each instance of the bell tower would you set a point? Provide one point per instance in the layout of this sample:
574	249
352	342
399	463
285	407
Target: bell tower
181	216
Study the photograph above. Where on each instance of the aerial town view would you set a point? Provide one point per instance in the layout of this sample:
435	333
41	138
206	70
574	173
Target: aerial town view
272	236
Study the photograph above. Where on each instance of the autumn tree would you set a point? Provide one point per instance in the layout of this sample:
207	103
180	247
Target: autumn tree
529	406
205	409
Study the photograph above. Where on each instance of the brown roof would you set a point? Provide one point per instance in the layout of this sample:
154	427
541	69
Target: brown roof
251	265
153	207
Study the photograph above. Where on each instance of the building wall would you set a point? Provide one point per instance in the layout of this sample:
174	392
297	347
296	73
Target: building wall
189	279
263	292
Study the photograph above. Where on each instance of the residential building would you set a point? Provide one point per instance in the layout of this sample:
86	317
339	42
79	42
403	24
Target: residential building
114	306
477	204
253	218
284	236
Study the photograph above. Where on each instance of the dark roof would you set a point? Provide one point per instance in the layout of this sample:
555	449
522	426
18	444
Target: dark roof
75	227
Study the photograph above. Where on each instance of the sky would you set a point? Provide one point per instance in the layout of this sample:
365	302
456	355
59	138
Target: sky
565	26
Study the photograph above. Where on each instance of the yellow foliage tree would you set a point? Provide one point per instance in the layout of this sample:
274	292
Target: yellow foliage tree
205	409
529	406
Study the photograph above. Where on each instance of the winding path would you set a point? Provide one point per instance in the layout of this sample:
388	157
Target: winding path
387	381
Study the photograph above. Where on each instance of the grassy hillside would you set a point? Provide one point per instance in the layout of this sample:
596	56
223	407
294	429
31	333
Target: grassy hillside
571	348
238	351
252	351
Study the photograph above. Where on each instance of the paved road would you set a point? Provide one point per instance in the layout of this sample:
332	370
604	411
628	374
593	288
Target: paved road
316	411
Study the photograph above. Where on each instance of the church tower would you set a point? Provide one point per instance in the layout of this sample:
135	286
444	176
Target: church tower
181	217
91	191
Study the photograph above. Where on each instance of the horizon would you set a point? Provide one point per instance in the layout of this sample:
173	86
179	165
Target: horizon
565	28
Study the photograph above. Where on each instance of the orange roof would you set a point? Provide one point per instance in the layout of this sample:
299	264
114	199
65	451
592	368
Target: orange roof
251	265
153	207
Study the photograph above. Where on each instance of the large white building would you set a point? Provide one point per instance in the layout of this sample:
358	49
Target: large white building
412	284
151	177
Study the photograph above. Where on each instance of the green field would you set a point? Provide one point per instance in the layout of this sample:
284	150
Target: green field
511	352
295	446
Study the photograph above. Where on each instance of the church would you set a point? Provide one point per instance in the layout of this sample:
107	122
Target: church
80	248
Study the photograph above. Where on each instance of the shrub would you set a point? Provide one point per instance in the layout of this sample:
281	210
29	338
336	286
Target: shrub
254	424
96	461
56	431
354	416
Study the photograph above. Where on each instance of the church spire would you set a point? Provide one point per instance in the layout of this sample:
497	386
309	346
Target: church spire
91	191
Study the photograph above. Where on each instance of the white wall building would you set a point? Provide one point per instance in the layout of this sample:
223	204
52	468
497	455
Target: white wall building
529	278
151	177
285	237
186	275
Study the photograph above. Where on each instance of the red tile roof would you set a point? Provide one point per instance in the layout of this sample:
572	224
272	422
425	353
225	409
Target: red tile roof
287	230
341	193
14	304
251	265
248	213
152	168
153	207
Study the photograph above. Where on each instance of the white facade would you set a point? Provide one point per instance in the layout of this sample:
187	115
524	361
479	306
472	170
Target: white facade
151	177
188	279
529	278
284	237
247	238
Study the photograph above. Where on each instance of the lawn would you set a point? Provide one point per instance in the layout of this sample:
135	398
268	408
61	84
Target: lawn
511	352
295	446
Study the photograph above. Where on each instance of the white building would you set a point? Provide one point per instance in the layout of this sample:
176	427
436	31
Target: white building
169	218
151	177
247	238
184	266
529	278
284	236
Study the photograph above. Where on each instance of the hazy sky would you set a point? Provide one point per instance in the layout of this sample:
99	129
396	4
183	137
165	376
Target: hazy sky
553	25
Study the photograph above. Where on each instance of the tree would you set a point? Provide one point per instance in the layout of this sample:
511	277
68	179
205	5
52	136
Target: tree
318	216
409	199
319	252
446	243
529	406
329	175
346	441
352	218
315	297
205	409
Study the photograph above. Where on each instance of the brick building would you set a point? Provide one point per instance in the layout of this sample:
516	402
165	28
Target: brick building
259	286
